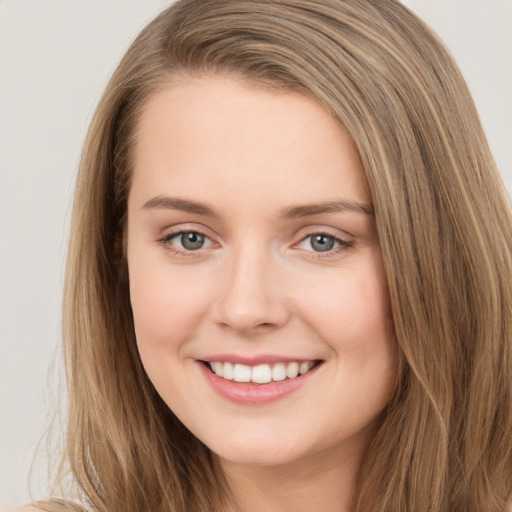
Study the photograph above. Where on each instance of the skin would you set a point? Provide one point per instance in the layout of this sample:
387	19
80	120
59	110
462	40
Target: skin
258	285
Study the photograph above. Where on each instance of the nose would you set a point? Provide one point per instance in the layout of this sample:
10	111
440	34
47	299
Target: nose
251	295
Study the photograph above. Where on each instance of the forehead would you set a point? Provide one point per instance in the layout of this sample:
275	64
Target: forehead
216	134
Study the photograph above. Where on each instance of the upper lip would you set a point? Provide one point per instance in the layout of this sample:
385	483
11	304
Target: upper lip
254	360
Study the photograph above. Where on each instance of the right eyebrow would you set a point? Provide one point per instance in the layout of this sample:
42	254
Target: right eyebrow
310	210
174	203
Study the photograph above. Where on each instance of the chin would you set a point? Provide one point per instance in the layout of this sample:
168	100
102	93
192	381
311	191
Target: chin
265	452
253	450
258	457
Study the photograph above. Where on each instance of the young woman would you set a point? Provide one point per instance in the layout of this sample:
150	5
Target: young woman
288	282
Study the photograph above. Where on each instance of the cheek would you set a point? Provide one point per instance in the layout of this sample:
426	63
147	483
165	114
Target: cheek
351	315
351	312
167	305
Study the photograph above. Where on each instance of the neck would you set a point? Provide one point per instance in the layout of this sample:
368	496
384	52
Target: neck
324	481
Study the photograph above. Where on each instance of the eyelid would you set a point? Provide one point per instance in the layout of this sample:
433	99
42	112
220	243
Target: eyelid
171	232
320	229
186	227
343	242
179	234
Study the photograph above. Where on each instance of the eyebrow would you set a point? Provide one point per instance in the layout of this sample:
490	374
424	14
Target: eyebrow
292	212
174	203
309	210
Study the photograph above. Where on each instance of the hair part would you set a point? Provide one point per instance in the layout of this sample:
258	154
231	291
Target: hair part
445	229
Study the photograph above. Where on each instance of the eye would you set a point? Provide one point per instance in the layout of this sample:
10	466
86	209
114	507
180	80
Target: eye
188	241
321	242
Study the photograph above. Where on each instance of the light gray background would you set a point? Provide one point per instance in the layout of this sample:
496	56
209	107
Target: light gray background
55	58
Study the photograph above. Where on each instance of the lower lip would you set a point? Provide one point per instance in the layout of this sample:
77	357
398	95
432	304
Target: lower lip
255	394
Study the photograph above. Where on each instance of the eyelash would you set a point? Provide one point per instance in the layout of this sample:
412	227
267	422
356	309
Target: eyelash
166	243
342	245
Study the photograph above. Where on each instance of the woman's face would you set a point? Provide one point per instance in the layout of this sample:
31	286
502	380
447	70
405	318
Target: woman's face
256	279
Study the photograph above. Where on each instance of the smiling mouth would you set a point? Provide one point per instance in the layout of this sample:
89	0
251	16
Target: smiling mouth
262	373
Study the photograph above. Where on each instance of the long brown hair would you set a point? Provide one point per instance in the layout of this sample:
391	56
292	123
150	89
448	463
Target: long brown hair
445	230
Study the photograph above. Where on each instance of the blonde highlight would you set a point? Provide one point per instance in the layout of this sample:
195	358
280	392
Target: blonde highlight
445	229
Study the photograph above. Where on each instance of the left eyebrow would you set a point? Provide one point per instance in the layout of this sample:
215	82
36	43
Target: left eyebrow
174	203
309	210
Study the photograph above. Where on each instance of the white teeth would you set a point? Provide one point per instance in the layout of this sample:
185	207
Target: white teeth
279	372
305	367
218	368
262	373
227	372
242	373
292	370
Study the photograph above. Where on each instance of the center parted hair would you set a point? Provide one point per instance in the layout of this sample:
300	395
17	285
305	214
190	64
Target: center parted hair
445	231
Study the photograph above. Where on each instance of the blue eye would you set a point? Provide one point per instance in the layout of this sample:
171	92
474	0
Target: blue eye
320	242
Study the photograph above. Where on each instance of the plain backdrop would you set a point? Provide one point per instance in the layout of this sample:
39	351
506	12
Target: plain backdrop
55	58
